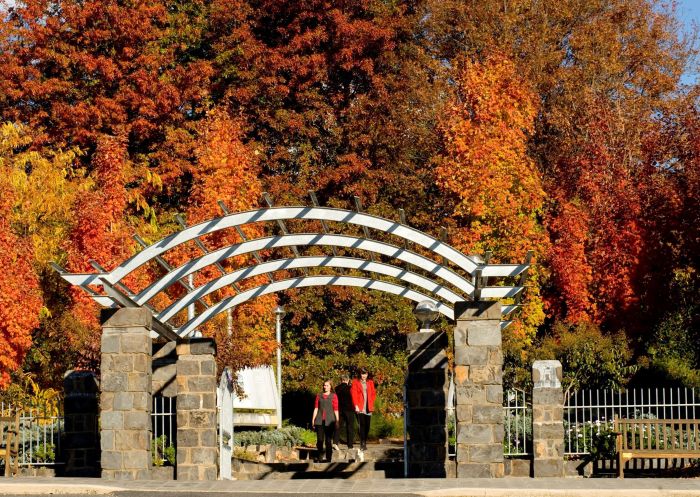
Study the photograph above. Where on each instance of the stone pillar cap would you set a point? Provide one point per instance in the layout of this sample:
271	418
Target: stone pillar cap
126	317
196	346
480	310
547	374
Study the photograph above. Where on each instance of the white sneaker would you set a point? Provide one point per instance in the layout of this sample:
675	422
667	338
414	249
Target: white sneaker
335	447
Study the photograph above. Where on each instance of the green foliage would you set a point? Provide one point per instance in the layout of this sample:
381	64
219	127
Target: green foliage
25	393
385	424
307	437
596	438
588	357
674	350
44	453
333	331
517	431
163	452
288	436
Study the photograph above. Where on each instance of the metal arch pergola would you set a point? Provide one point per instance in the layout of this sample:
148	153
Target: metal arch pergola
469	285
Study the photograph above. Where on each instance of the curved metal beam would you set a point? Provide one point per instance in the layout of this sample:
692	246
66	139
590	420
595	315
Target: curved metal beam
306	213
307	262
314	239
303	282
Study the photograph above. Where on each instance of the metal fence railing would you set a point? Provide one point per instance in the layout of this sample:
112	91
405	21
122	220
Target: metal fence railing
451	416
589	414
517	423
39	434
164	429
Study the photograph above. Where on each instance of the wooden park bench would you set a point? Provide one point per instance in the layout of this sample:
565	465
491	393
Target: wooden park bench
656	439
9	443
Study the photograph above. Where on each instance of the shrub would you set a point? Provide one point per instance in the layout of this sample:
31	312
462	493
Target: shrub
162	451
45	453
385	426
288	436
241	453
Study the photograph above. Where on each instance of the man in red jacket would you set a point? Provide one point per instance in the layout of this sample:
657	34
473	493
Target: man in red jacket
363	395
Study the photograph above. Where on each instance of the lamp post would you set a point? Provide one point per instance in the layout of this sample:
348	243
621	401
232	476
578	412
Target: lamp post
279	314
426	312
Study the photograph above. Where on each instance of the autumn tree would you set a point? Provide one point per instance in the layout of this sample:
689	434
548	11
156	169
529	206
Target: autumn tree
229	171
338	94
340	98
485	167
518	125
604	71
20	299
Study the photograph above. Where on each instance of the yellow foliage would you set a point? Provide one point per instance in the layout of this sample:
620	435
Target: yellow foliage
44	184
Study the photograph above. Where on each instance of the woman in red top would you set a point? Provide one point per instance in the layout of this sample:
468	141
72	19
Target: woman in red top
324	419
363	395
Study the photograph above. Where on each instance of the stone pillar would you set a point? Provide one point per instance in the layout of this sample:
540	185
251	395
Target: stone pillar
479	389
197	444
125	398
426	395
81	444
547	419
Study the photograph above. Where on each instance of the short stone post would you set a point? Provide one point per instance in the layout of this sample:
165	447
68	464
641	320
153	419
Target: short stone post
81	443
426	395
547	419
479	389
197	444
125	398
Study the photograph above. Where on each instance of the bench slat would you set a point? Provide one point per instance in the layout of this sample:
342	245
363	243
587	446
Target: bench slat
656	439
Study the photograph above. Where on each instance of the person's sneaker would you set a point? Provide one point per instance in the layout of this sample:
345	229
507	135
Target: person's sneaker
335	447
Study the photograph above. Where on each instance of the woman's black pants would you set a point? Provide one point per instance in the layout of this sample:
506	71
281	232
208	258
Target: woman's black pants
324	433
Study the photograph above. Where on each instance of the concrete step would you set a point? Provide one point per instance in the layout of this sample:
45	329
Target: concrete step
342	470
374	452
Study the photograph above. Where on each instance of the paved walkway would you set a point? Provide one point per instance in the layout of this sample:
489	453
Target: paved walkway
522	487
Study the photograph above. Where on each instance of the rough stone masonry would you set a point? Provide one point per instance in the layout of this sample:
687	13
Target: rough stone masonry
125	395
197	444
426	392
479	389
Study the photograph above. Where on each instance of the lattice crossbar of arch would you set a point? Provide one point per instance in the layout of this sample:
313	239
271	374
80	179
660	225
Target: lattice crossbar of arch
398	260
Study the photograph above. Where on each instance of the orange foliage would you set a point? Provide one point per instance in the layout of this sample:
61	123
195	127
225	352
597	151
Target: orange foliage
486	167
228	170
20	298
496	187
568	254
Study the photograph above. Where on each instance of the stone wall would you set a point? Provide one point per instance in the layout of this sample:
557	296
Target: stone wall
426	395
479	390
125	395
197	444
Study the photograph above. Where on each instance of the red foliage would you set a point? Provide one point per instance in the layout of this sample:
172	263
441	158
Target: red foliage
20	298
100	232
597	234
